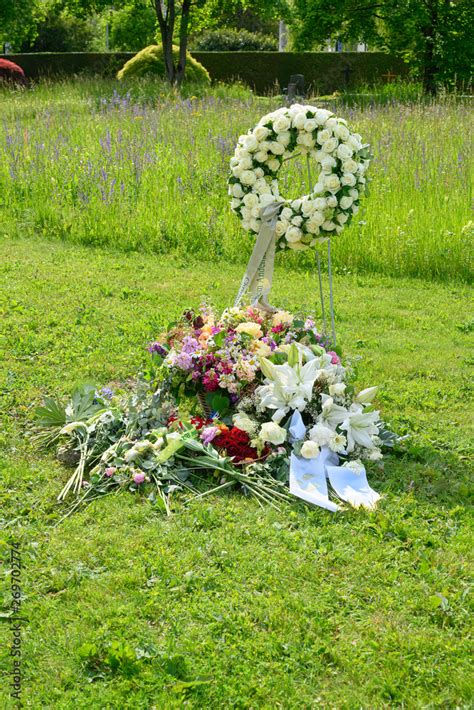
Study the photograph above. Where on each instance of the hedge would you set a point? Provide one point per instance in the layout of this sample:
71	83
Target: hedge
324	72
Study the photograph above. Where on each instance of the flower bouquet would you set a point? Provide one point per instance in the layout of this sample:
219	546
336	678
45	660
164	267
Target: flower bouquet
246	399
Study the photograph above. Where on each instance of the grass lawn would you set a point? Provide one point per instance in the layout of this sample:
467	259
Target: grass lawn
224	605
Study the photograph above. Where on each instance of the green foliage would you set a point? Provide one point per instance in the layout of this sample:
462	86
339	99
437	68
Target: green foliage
224	604
58	31
150	61
324	72
433	36
133	26
228	40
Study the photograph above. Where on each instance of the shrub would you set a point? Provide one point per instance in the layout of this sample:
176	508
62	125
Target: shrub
60	32
9	71
151	60
234	41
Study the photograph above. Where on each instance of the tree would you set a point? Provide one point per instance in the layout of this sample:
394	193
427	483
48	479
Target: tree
18	20
432	35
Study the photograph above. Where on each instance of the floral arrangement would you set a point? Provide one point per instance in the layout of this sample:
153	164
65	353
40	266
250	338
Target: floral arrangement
229	400
283	134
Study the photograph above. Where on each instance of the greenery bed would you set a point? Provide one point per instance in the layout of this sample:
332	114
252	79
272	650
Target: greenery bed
126	608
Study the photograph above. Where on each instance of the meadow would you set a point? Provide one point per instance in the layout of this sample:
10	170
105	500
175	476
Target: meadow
136	167
226	605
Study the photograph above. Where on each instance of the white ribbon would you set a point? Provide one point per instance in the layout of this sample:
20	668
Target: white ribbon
259	273
308	476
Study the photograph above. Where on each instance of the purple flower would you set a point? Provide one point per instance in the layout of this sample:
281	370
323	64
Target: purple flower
209	433
157	348
109	472
190	345
106	393
138	477
184	361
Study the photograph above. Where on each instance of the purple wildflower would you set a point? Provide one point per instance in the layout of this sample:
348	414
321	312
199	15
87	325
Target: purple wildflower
157	348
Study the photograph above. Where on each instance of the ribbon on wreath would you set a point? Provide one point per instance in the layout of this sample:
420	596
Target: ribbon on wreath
308	477
259	272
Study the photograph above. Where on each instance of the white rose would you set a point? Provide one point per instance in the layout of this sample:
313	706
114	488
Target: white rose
261	156
281	123
274	165
354	143
235	203
316	220
284	138
330	145
244	423
307	207
305	139
331	122
272	432
281	227
355	209
332	182
237	171
310	124
260	133
310	450
344	152
328	162
350	166
323	136
248	177
250	200
246	213
342	218
331	201
260	184
254	225
296	204
321	116
277	148
345	202
354	194
320	203
329	226
299	120
250	143
341	132
348	179
339	388
287	213
237	189
293	234
297	221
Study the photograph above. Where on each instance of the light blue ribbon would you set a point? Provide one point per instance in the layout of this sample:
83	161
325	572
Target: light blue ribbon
308	477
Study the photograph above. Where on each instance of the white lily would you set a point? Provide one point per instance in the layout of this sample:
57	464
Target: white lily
360	427
366	396
289	386
332	414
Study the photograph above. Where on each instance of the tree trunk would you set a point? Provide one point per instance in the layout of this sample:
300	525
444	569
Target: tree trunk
430	67
166	19
183	40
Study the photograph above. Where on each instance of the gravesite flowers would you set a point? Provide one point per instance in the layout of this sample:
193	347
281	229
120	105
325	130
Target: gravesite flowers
220	395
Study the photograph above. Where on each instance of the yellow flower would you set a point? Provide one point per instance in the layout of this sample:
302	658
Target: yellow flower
252	329
282	318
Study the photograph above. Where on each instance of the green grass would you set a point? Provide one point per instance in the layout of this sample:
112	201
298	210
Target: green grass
139	168
301	609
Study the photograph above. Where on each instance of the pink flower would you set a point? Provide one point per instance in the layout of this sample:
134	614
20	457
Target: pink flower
138	477
110	471
335	359
210	381
209	433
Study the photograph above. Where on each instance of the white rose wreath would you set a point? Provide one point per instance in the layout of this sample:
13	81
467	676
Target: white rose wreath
283	134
